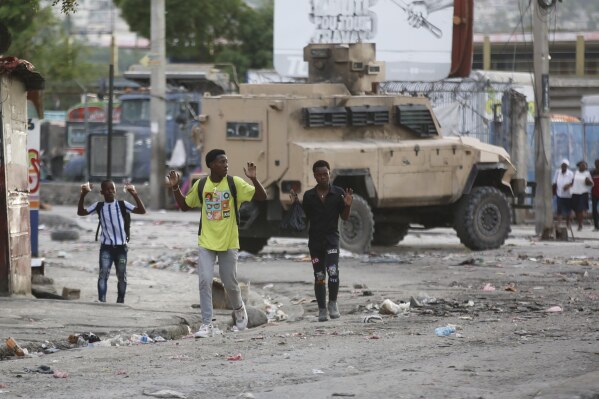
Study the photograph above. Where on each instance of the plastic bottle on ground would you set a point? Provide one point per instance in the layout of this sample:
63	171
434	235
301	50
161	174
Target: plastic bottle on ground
444	331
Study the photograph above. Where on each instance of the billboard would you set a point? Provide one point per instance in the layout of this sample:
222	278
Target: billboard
413	37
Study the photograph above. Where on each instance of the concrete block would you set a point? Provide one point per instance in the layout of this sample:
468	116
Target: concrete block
71	293
220	300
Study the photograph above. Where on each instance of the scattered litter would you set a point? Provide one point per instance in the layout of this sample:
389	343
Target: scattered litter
43	369
349	395
374	337
60	374
83	339
389	307
372	318
317	371
268	286
488	287
384	258
122	372
360	286
301	300
510	287
14	347
235	357
141	339
472	261
444	331
246	395
554	309
245	255
166	393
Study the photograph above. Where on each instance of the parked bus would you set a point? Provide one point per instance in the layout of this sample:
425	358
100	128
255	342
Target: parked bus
78	124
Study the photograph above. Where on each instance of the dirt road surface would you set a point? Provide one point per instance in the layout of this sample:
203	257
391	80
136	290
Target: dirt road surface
508	344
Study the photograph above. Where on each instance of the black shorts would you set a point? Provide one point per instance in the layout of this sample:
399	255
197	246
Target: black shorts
564	206
580	202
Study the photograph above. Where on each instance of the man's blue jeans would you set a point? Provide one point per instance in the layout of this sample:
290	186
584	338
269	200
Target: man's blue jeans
108	255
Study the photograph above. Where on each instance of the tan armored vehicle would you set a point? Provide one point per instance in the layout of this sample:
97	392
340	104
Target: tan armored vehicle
386	148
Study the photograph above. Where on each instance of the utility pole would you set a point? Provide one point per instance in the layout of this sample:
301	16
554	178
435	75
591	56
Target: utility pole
543	207
158	106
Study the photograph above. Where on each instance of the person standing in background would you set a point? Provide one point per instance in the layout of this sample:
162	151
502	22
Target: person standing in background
561	189
581	183
595	195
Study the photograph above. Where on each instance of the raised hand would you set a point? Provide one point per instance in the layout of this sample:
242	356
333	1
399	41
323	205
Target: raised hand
173	178
348	198
293	195
130	188
250	172
86	188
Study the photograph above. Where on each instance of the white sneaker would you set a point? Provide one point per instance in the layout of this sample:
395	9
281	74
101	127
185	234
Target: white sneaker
207	330
241	318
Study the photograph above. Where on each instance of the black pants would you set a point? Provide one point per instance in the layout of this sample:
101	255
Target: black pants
595	201
325	260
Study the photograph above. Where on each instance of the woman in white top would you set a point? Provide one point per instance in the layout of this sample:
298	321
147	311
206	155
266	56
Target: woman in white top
579	188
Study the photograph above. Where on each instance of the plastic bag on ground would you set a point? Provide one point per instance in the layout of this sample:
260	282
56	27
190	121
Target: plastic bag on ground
294	219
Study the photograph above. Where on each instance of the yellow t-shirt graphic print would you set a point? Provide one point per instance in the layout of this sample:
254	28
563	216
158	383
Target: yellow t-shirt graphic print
219	225
217	205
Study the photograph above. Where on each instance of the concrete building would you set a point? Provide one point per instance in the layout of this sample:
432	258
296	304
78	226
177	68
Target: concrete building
17	83
573	68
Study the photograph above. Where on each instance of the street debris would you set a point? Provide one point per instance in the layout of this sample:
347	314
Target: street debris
554	309
472	262
372	318
273	312
166	393
60	374
488	287
43	369
83	339
385	258
15	348
317	371
445	331
236	357
389	307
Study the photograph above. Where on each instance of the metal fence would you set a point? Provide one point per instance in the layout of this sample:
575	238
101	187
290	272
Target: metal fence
474	100
575	141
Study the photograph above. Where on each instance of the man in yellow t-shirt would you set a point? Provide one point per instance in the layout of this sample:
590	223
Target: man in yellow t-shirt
219	234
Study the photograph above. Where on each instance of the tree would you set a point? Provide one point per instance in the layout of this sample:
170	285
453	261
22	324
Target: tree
38	37
66	6
208	30
255	49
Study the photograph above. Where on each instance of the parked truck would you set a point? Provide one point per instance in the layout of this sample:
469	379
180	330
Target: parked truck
131	138
387	148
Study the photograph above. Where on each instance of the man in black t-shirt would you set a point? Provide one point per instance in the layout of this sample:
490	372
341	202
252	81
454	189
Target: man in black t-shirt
323	205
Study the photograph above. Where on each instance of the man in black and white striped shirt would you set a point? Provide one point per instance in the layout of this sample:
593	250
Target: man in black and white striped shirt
113	242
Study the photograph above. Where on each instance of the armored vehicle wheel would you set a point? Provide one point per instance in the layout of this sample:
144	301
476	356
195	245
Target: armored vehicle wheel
389	234
482	218
355	233
252	245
